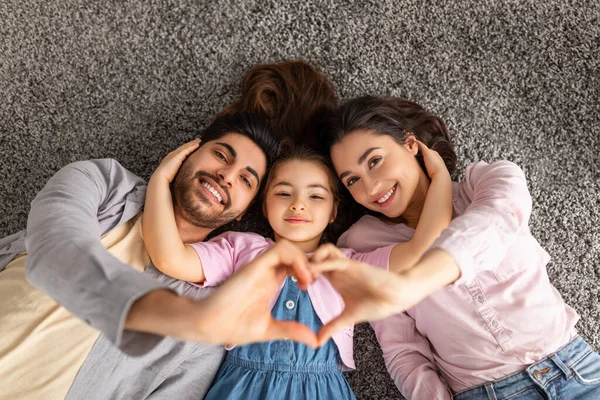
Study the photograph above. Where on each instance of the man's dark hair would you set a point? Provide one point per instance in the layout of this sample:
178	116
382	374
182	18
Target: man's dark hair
253	126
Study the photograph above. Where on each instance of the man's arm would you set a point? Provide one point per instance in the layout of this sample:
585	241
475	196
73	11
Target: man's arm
66	259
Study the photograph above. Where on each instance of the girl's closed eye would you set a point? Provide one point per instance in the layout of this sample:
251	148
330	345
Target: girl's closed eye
317	197
282	194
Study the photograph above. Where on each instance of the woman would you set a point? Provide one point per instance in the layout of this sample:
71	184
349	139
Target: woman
497	327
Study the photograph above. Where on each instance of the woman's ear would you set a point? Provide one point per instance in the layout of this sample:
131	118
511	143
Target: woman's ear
411	144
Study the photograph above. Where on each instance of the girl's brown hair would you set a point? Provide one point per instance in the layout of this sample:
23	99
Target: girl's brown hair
292	95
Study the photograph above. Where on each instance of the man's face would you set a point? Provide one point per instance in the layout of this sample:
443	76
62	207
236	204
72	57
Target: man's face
217	183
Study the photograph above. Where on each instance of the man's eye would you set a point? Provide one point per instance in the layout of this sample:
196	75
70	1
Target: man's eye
220	155
374	162
351	181
247	182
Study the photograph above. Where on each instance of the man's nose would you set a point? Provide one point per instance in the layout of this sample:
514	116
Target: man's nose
227	176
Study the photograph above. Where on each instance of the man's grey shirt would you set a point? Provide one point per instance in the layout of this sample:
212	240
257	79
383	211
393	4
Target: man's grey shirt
67	261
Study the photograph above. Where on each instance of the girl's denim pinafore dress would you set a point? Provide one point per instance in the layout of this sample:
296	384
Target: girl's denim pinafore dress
283	369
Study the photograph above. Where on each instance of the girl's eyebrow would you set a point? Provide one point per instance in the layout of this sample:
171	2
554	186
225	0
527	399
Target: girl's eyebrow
361	159
311	186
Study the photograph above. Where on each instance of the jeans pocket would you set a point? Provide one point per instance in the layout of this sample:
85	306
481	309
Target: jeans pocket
587	370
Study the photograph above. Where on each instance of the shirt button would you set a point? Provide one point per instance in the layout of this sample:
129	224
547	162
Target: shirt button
480	299
294	279
495	324
289	304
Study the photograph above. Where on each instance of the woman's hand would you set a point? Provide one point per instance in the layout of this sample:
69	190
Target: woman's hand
172	162
369	293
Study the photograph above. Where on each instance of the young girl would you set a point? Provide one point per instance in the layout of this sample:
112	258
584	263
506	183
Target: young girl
497	328
300	201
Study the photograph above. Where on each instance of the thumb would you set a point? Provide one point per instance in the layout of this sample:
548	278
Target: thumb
333	326
280	330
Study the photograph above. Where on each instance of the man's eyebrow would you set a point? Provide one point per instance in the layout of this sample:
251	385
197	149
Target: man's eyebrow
253	172
361	159
229	148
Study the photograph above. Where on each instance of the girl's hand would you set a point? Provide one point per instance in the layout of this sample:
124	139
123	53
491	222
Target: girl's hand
172	162
433	161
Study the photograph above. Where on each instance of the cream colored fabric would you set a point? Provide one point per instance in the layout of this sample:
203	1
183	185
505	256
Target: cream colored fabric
42	346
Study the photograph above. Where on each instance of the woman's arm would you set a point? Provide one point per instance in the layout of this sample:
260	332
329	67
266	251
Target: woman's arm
408	359
435	217
499	211
166	249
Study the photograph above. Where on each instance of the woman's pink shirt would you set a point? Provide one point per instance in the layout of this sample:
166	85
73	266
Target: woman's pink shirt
501	315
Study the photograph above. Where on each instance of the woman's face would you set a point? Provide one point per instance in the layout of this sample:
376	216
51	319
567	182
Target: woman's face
380	173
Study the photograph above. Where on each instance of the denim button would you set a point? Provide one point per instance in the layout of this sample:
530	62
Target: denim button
294	279
289	304
480	299
537	374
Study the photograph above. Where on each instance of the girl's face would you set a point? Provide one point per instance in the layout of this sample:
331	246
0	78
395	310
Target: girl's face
380	173
299	203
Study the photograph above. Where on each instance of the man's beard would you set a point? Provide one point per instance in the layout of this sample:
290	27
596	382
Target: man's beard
188	201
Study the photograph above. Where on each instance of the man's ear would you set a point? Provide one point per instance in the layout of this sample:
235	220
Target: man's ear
411	144
239	217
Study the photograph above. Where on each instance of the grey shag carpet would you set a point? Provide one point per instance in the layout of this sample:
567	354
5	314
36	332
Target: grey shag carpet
516	80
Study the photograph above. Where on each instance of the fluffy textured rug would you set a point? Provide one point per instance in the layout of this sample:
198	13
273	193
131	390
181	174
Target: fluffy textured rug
516	80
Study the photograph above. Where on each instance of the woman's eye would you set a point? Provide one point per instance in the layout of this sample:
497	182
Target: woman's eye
351	181
374	162
282	194
316	197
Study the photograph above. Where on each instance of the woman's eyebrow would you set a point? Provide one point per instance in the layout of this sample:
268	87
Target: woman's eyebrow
361	159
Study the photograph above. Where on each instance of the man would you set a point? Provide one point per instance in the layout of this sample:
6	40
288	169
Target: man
66	259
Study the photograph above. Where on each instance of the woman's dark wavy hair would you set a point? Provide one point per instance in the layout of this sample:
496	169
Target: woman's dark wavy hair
398	118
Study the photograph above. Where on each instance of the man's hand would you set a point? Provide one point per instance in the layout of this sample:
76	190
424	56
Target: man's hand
237	312
172	162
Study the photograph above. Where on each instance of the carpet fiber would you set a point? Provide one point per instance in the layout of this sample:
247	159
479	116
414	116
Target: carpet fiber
516	80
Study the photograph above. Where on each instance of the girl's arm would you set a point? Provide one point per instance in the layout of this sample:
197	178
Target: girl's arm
435	217
166	249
